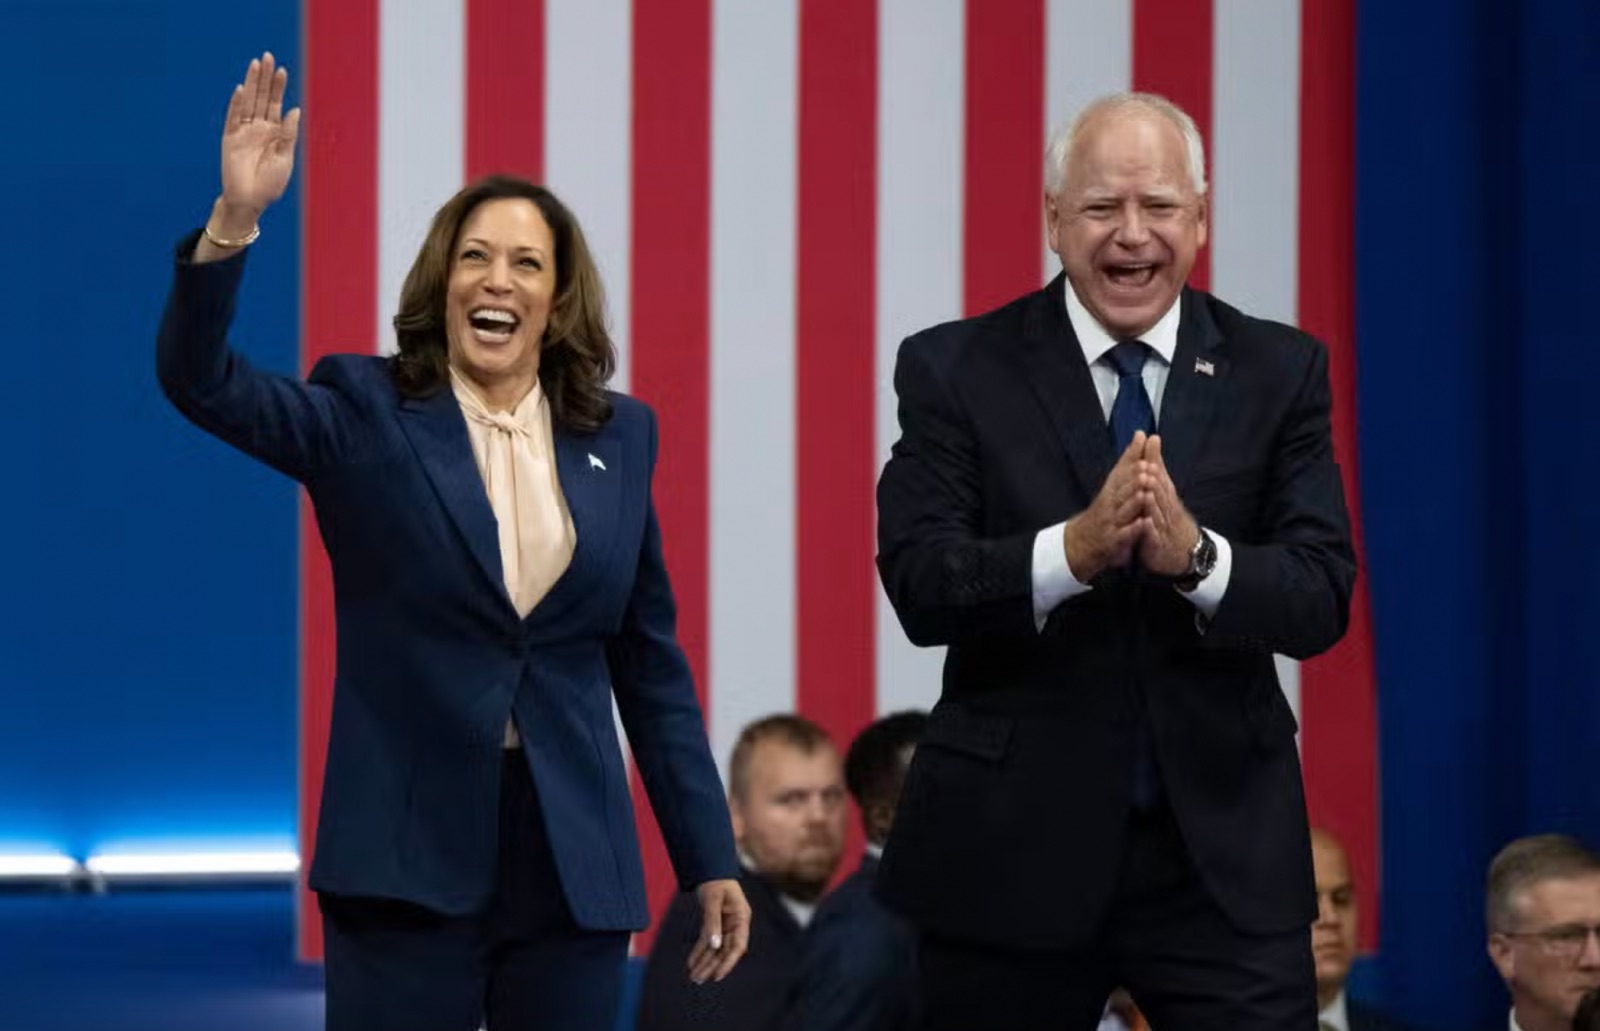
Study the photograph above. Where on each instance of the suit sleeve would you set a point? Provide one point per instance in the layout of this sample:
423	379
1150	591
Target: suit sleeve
947	582
1290	592
656	698
292	426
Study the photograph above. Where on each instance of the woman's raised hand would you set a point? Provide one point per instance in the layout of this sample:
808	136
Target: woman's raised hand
257	143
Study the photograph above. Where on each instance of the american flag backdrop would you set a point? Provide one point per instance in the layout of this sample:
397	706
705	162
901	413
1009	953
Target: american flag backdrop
778	191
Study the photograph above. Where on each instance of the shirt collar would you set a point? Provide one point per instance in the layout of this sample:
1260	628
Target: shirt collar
801	911
525	414
1095	341
1336	1014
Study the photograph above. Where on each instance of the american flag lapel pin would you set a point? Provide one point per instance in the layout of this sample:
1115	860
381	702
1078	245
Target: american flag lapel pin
1204	367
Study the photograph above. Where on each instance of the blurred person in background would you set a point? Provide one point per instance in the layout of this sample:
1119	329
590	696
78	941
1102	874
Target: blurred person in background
858	960
1543	909
1334	939
786	797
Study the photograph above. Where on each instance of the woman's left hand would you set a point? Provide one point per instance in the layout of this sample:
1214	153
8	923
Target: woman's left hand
724	932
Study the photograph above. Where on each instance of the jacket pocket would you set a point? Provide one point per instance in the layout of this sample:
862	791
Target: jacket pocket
972	734
1217	484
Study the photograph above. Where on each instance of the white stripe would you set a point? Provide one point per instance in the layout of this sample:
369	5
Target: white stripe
588	148
1088	53
588	138
1255	162
421	93
921	57
755	54
1255	157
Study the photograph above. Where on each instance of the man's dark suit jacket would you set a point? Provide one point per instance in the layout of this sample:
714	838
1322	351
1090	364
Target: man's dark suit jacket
1365	1018
433	657
1010	827
858	963
754	997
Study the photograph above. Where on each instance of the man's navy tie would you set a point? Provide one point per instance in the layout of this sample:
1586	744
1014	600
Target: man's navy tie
1132	410
1130	413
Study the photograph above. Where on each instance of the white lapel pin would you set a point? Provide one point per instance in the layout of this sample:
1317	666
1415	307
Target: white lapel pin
595	463
1201	366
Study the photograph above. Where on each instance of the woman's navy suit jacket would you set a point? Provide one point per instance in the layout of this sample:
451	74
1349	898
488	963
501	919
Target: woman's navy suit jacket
432	656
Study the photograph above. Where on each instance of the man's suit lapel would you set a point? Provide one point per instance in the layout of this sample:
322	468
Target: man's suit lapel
1053	366
438	434
1194	384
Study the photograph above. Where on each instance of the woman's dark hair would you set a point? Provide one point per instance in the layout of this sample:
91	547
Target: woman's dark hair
576	357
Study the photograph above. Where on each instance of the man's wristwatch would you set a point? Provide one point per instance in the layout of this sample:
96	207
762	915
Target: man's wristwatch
1202	560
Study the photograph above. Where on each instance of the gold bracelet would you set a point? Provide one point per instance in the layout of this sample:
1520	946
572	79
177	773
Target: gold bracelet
231	245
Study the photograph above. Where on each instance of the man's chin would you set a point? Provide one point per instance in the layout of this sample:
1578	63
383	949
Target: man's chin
803	888
1130	316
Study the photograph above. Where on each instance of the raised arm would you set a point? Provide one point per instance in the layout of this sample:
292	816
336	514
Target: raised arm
257	160
289	425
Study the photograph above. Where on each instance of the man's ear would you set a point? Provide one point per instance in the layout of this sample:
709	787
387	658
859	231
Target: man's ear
1052	220
1503	957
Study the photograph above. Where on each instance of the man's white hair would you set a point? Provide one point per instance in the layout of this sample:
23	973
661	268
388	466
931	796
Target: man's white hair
1059	153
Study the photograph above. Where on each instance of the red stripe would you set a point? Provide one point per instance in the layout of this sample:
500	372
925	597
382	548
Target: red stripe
339	233
670	309
1003	225
835	366
1337	699
505	88
1172	57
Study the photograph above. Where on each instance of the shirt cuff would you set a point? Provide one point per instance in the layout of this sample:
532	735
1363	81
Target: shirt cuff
1053	582
1208	594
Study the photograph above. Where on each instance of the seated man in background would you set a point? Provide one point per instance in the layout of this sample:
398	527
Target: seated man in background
1543	902
786	797
858	960
1333	941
